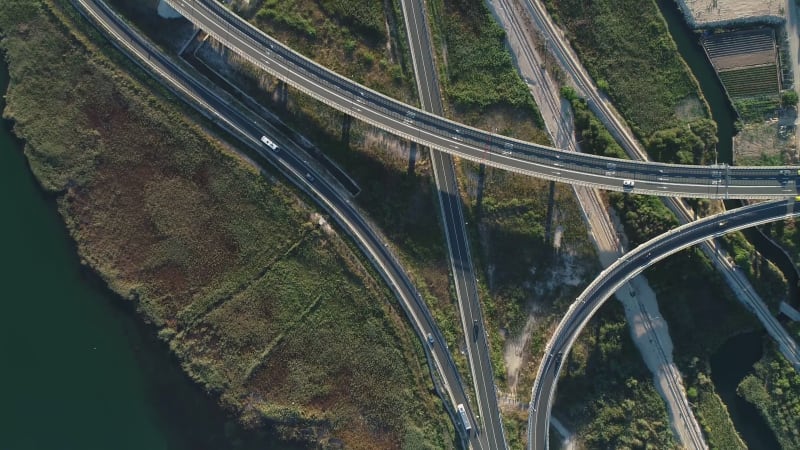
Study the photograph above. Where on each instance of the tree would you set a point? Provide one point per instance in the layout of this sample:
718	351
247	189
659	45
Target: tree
789	98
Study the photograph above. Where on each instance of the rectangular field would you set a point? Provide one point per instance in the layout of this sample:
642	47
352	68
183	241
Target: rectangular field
751	81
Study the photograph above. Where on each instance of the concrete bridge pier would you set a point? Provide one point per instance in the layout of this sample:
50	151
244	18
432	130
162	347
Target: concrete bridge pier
282	94
413	150
347	122
166	11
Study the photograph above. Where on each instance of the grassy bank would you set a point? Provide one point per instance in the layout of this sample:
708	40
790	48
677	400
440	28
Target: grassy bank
628	51
230	266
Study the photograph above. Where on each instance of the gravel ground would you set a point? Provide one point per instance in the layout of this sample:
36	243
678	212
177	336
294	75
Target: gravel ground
711	13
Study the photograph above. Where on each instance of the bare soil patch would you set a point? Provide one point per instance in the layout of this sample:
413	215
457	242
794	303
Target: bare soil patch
710	13
744	60
771	141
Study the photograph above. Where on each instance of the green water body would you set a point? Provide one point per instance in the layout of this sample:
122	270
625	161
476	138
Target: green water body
78	369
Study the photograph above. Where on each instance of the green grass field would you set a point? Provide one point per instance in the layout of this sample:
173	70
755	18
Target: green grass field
230	266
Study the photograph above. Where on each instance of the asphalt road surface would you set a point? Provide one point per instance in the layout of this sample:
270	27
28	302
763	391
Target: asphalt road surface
487	425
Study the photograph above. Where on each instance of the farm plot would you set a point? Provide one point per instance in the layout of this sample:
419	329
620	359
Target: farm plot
751	81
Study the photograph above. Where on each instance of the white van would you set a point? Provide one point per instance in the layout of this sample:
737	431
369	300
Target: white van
269	143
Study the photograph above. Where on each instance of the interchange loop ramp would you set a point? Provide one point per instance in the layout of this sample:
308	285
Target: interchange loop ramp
615	276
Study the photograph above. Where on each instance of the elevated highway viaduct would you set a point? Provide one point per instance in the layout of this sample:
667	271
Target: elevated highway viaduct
431	130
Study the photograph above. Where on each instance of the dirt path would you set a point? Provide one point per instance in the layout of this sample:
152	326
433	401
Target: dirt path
513	356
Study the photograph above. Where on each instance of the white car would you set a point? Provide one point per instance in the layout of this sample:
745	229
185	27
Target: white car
627	185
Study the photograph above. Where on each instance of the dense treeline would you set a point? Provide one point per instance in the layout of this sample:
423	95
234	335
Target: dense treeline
692	143
625	411
774	389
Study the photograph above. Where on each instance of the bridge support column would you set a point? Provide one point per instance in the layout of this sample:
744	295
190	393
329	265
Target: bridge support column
283	95
413	151
347	122
166	11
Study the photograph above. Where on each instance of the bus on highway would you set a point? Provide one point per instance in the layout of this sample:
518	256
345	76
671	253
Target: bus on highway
464	419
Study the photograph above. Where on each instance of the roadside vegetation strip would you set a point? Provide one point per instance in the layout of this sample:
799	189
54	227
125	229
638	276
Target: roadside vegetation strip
618	39
351	38
478	74
160	211
479	69
766	278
